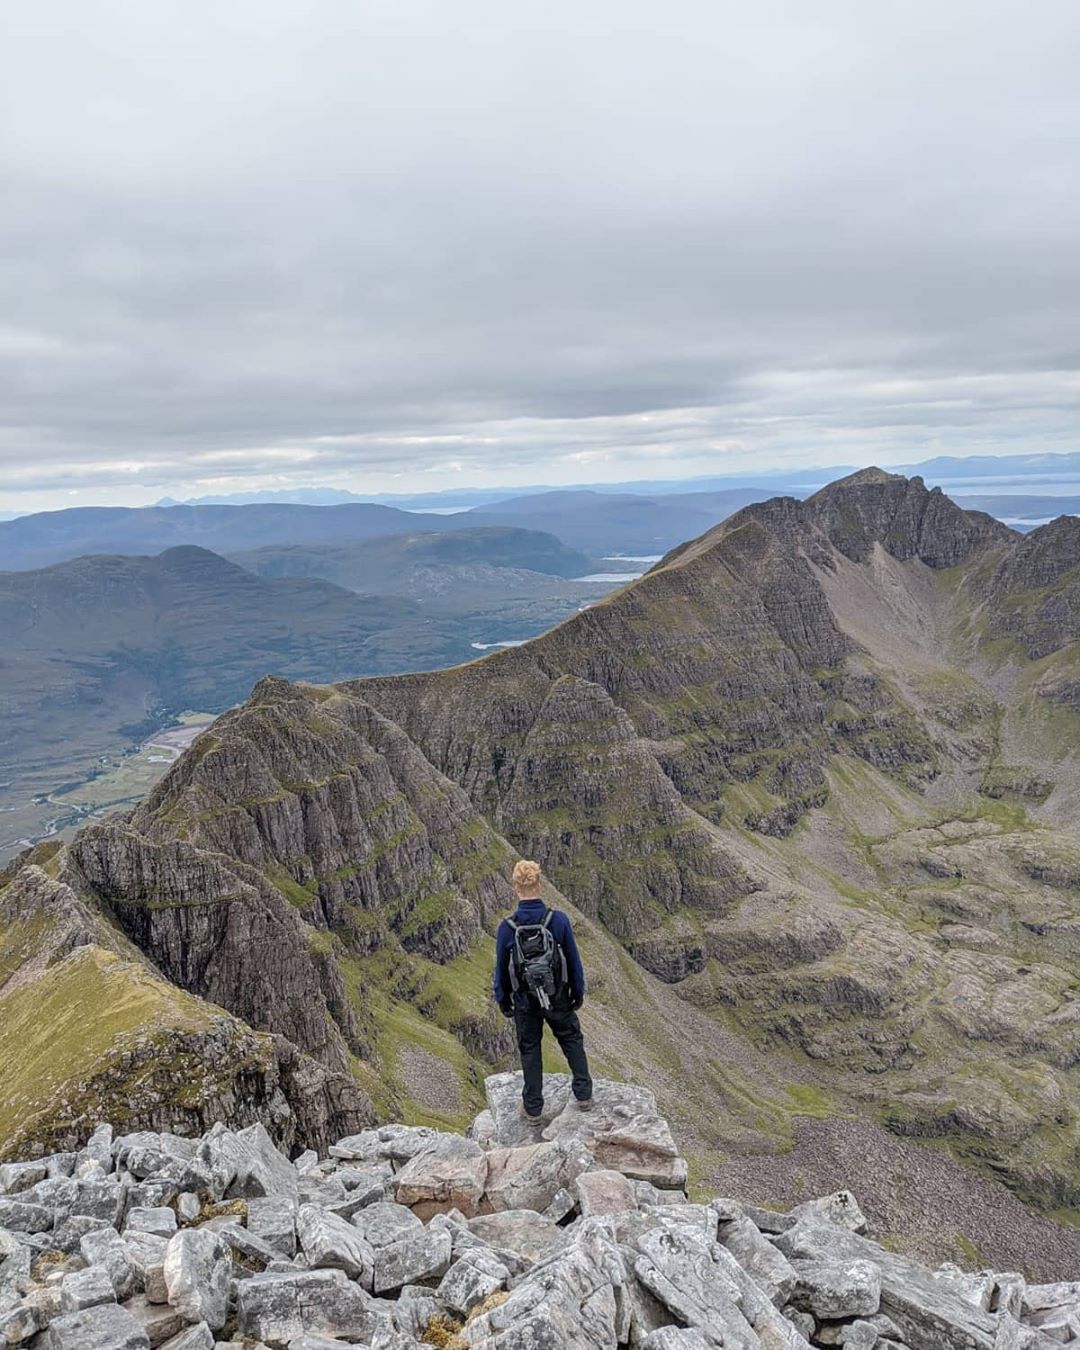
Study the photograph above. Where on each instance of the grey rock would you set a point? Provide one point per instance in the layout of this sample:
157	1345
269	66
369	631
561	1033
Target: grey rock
245	1163
273	1219
472	1278
98	1148
255	1254
19	1323
20	1176
161	1222
803	1322
20	1217
105	1247
928	1312
330	1242
520	1231
67	1235
198	1270
198	1337
1008	1295
423	1256
773	1330
188	1206
760	1259
859	1335
573	1301
1061	1295
563	1203
15	1278
834	1289
386	1221
840	1209
280	1307
106	1327
683	1271
449	1173
604	1191
86	1289
160	1321
60	1164
676	1338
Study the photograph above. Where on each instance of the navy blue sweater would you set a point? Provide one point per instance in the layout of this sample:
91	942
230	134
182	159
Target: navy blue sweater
532	911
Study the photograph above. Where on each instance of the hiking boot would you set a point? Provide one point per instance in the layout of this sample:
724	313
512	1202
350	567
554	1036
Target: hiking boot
535	1121
585	1104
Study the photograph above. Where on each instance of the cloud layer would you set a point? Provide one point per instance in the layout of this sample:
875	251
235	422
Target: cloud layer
388	244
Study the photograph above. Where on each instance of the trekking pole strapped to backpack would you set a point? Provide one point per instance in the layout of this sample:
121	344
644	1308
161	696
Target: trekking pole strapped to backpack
537	962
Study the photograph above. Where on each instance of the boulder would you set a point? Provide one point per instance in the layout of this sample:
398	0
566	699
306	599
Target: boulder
531	1176
161	1222
20	1217
279	1307
87	1288
833	1289
675	1338
683	1271
929	1313
841	1209
105	1247
386	1221
760	1259
448	1174
473	1277
246	1163
106	1327
198	1337
198	1273
273	1219
20	1176
522	1231
330	1242
574	1301
423	1256
160	1321
604	1192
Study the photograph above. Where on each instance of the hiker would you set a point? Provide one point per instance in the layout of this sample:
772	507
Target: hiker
539	978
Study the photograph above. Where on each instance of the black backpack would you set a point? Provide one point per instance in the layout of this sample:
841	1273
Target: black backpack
537	962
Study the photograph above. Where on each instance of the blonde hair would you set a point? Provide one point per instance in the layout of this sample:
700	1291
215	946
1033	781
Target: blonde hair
527	875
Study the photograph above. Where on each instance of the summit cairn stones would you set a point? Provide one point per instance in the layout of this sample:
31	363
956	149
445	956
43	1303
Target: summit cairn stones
400	1234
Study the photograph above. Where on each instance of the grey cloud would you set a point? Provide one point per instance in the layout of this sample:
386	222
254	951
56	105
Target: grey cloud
259	242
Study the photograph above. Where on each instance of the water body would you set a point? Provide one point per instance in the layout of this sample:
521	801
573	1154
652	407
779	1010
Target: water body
488	646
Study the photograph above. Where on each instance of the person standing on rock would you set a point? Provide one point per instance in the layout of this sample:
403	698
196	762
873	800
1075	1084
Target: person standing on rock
539	978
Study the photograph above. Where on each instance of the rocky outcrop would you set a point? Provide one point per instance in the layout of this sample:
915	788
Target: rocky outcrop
351	1263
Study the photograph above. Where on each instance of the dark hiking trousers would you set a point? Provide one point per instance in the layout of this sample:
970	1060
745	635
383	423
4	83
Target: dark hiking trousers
529	1019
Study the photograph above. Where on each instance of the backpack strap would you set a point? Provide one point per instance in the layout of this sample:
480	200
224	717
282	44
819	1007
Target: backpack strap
514	926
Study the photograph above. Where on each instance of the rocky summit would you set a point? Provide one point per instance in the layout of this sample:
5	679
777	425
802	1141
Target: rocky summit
400	1237
808	790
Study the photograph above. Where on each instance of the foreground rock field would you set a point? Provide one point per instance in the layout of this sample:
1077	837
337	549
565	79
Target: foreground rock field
579	1237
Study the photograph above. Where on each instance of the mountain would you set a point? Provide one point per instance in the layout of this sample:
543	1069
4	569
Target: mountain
406	563
809	789
55	536
101	650
608	522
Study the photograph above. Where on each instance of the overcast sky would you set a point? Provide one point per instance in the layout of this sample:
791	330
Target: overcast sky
398	245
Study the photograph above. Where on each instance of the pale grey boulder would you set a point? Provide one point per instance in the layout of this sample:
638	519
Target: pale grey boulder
386	1221
529	1235
676	1338
67	1235
106	1327
573	1301
160	1321
86	1289
198	1275
832	1289
760	1259
840	1209
473	1277
20	1176
929	1313
19	1323
254	1253
107	1248
330	1242
22	1217
530	1176
198	1337
684	1271
424	1255
161	1222
280	1307
273	1219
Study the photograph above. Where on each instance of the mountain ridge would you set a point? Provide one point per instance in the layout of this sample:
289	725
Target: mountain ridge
799	781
